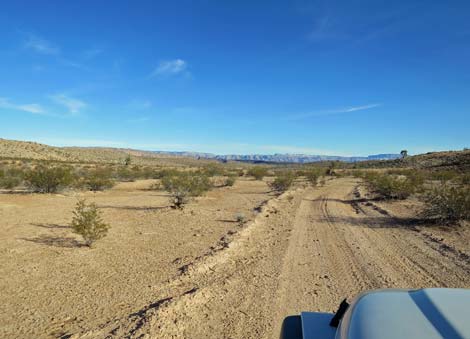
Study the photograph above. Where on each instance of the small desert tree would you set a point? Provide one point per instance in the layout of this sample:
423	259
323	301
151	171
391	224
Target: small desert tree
404	153
88	223
184	185
127	160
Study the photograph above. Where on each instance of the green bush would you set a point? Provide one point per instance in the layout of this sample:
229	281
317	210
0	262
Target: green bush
282	182
213	170
230	180
10	178
447	204
183	185
88	223
164	173
240	218
125	174
9	182
98	180
44	179
312	177
464	179
257	172
390	187
443	175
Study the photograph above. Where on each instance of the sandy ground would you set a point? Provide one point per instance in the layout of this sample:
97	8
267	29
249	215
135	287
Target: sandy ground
166	274
51	287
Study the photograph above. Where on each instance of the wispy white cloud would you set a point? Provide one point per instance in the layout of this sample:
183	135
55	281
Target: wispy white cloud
357	108
41	45
300	116
170	67
29	108
73	105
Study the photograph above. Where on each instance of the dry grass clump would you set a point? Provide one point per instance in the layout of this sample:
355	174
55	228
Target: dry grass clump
88	223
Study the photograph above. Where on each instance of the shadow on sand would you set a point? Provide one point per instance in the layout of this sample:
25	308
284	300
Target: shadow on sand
64	242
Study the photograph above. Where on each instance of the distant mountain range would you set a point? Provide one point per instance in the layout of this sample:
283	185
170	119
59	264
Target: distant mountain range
280	158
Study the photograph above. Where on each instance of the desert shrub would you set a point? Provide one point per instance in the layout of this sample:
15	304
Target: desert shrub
125	174
331	168
9	182
240	218
88	223
312	177
447	204
230	180
183	185
10	178
147	172
213	170
164	173
98	180
464	179
390	187
443	175
282	182
257	172
44	179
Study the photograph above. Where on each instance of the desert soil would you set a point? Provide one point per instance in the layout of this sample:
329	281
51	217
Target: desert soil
163	273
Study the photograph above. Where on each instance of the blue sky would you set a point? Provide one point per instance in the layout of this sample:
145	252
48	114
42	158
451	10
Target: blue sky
318	77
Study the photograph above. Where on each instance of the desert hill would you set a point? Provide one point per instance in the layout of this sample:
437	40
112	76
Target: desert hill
13	149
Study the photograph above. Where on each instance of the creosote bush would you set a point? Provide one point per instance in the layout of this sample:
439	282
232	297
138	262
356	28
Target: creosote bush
10	178
184	185
44	179
447	204
312	176
257	172
88	223
213	170
98	180
240	218
283	181
390	187
230	180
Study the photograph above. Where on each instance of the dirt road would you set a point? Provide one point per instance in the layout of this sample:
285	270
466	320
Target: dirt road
306	250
